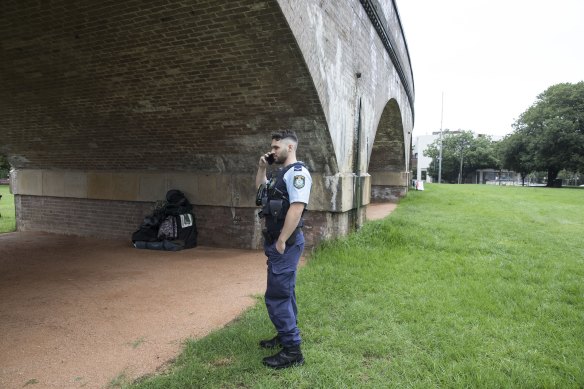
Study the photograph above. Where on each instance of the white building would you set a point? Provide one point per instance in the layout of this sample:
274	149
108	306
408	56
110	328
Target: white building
421	143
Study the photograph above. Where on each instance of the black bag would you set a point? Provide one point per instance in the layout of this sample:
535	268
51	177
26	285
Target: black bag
170	227
148	231
186	230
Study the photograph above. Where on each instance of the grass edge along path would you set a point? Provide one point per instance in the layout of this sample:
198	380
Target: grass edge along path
8	219
462	286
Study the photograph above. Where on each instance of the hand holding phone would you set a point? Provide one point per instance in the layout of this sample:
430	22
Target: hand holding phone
270	158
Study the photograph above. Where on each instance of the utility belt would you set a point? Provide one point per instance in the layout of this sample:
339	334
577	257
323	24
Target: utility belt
271	237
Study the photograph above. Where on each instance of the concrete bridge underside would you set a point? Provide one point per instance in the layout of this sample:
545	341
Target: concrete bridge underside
107	105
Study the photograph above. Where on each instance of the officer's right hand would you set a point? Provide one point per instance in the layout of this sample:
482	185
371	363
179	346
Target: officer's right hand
263	159
263	162
280	246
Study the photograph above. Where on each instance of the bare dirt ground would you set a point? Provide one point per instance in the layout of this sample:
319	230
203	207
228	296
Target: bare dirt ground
77	312
80	312
377	211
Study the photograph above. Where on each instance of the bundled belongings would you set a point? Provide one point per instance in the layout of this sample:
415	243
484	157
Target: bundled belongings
170	227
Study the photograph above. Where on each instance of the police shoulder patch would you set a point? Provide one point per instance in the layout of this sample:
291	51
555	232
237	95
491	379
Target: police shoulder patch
299	182
297	168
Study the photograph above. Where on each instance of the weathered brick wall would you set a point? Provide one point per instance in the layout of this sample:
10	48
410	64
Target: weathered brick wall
216	226
240	227
227	227
386	193
159	85
82	217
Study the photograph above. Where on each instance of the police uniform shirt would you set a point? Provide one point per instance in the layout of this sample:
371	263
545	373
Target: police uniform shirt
298	183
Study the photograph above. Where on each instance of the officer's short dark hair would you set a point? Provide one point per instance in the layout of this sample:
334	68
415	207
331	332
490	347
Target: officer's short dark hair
285	134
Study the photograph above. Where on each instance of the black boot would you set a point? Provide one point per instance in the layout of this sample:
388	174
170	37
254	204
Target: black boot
288	356
271	343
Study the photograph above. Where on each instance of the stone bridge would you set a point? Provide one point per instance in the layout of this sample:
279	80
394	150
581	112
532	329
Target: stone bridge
105	105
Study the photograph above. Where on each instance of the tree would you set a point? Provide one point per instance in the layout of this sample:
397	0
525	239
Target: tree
514	154
4	167
552	131
481	154
462	153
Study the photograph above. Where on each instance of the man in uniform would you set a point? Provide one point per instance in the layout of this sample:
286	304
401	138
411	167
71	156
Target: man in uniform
283	198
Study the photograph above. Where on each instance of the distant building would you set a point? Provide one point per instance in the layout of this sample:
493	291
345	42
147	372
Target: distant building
494	177
420	144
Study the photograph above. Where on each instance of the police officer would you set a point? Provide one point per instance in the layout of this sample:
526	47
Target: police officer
283	198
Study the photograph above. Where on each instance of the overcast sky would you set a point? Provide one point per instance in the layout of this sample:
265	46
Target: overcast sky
490	58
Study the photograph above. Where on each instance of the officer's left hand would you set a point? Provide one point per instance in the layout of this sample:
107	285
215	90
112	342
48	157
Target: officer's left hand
280	246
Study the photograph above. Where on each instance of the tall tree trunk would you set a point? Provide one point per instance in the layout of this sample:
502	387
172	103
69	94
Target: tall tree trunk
552	174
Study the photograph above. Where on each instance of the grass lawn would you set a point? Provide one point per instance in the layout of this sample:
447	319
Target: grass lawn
7	221
462	286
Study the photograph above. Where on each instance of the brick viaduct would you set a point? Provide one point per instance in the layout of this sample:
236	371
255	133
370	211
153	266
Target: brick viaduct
105	105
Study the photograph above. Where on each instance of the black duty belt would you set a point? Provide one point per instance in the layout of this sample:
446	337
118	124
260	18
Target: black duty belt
271	237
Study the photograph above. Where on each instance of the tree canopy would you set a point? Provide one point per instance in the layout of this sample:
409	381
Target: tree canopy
549	135
514	154
461	149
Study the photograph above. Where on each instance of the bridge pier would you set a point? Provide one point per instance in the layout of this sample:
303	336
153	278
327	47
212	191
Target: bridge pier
389	186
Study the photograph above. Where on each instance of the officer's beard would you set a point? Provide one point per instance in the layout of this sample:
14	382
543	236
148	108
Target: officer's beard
280	159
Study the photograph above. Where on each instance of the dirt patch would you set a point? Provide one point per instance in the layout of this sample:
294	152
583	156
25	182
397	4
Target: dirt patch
376	211
77	312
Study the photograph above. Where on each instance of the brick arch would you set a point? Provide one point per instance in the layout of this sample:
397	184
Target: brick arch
388	152
175	87
388	162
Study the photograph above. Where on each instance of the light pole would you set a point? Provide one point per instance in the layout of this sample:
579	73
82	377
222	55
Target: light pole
440	153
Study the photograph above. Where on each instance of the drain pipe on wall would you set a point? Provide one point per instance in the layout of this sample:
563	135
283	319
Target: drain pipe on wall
357	168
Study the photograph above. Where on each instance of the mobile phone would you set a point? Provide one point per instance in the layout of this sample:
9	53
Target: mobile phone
270	159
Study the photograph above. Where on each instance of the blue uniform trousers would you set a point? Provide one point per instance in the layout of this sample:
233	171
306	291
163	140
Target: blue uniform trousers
280	294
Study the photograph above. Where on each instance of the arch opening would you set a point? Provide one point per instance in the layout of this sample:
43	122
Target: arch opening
388	165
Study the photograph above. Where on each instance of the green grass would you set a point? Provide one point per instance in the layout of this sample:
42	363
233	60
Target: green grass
7	221
463	286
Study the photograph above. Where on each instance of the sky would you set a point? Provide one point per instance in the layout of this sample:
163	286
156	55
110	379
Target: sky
488	60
